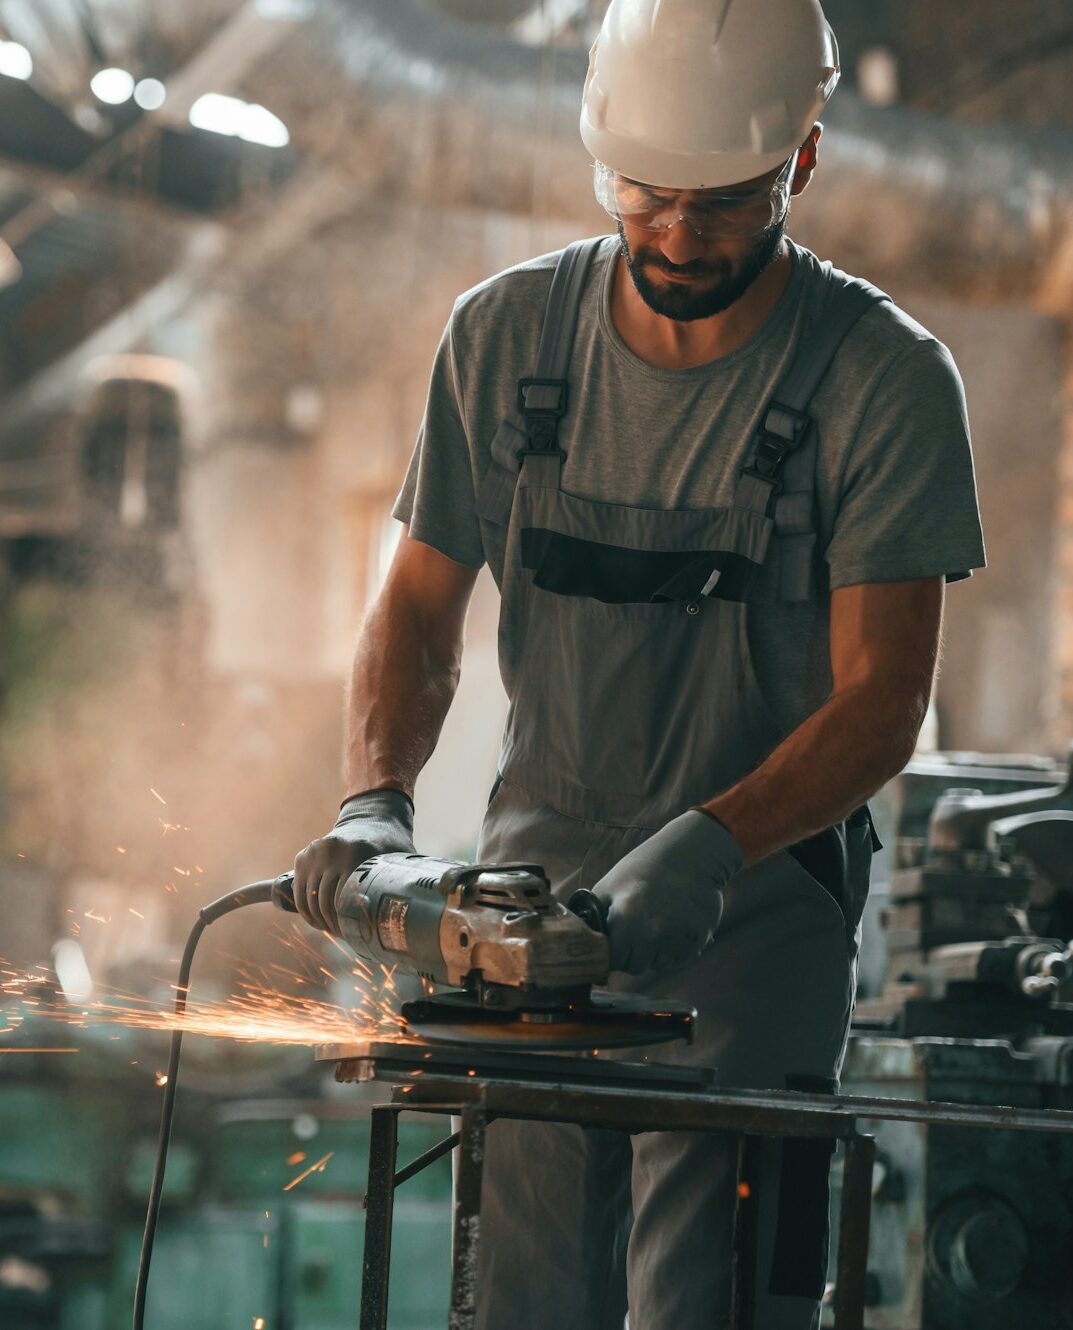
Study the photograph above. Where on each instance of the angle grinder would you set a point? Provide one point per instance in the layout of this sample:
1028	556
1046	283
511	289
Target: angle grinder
521	965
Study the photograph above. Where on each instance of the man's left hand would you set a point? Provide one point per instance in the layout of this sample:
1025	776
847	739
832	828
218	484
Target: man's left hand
664	899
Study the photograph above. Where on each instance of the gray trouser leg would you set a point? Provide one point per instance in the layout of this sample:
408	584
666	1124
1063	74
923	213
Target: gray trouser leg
555	1213
681	1248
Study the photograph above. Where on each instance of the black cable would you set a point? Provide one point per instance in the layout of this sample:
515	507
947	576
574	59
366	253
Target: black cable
274	890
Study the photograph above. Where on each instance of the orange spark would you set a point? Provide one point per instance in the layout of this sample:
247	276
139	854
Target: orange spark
293	1159
318	1167
157	796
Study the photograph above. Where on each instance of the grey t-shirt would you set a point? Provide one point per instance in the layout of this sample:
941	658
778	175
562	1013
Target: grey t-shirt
895	490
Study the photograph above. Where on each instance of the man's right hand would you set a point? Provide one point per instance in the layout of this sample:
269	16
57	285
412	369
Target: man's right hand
375	822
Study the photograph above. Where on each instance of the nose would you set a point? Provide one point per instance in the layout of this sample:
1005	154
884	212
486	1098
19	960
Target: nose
680	243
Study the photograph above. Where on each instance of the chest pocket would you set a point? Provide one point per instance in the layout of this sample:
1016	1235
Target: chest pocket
622	555
619	574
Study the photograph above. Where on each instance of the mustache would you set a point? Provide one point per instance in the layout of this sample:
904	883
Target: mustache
698	268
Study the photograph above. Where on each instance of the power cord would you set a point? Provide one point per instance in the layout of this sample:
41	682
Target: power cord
276	891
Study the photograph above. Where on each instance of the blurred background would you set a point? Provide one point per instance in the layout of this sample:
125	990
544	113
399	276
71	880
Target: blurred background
231	232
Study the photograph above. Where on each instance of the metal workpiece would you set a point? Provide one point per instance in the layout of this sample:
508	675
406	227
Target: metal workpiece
654	1096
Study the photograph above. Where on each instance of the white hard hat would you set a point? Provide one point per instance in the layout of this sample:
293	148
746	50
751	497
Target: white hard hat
689	94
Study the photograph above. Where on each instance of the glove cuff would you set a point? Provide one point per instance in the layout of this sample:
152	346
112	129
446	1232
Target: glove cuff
386	802
713	840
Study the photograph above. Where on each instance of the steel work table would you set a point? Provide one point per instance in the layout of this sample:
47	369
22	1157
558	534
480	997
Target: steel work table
480	1084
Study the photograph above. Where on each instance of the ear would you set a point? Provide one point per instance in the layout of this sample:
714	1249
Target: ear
806	160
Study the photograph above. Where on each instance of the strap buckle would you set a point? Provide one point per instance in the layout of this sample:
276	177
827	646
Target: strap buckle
547	410
542	422
781	432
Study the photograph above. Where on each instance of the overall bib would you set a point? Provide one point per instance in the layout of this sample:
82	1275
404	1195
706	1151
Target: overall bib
633	697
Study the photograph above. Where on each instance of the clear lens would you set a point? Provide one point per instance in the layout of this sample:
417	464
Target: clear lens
707	211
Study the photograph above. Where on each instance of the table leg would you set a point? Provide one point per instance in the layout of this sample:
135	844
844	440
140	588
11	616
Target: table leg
854	1220
379	1205
467	1218
745	1236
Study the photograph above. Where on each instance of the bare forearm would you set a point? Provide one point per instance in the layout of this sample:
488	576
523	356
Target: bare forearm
821	772
404	678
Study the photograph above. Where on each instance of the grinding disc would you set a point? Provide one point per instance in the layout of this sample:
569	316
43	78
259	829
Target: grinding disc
606	1020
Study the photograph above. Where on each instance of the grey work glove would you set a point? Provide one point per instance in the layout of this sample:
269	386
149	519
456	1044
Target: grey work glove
375	822
664	899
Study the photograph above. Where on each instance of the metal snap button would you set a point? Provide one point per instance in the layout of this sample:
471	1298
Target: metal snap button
692	607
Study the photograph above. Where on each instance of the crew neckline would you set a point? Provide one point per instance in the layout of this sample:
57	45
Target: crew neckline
786	303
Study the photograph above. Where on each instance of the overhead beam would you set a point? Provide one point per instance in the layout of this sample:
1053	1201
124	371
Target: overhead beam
64	193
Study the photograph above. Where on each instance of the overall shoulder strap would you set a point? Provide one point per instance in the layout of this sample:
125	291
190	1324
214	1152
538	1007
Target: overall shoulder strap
542	399
786	421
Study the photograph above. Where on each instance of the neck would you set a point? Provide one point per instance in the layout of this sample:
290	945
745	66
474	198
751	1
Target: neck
670	344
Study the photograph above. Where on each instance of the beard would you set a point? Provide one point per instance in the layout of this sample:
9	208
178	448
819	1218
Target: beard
719	283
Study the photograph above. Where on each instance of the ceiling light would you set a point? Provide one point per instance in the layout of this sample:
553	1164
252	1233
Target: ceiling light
113	86
150	94
15	61
215	112
244	120
261	126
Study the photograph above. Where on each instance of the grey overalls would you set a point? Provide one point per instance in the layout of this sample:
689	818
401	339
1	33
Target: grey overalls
633	697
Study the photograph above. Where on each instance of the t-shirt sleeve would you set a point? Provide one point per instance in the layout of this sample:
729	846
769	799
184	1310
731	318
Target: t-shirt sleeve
908	508
437	497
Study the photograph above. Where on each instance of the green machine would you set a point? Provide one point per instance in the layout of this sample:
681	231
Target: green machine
241	1243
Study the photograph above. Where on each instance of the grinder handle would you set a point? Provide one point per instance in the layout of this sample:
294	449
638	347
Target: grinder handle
283	893
589	908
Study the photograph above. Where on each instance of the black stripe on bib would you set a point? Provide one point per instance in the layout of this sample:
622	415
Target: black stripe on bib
616	575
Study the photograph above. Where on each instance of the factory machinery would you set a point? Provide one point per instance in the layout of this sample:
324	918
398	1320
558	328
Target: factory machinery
973	1230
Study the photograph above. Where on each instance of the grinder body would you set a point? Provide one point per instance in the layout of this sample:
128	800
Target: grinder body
478	926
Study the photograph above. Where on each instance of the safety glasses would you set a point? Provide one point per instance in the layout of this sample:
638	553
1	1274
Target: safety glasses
709	212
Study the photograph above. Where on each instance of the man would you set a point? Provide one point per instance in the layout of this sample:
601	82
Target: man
720	521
